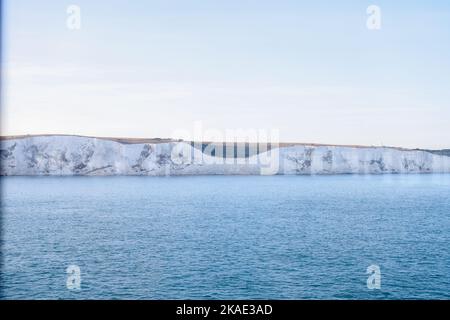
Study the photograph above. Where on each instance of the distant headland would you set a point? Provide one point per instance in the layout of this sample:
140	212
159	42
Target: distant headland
49	154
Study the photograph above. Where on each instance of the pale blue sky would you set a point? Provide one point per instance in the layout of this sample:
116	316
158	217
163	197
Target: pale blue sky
310	69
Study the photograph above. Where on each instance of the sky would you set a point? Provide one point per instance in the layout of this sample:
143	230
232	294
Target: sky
312	70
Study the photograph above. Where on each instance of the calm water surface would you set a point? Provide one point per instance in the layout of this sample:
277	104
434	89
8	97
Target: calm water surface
281	237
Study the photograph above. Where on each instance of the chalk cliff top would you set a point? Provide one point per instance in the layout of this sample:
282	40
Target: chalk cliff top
126	140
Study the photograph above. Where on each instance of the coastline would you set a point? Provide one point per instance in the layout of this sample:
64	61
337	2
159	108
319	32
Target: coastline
79	155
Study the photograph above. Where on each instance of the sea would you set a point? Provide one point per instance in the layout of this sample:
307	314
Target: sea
226	237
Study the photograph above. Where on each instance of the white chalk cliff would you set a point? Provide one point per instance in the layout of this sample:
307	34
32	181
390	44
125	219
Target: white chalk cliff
74	155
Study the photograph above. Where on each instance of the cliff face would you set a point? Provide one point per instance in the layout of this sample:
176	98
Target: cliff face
73	155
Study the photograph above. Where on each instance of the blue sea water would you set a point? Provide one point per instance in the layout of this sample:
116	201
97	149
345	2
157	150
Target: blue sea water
226	237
